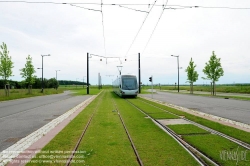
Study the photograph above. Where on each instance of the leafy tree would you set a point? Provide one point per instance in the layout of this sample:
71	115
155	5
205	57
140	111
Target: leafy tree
28	72
6	64
192	75
53	83
213	70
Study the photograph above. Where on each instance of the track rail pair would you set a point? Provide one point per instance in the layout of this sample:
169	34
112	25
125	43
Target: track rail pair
86	127
239	142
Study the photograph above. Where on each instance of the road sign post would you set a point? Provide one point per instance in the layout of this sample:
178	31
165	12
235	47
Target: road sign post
152	88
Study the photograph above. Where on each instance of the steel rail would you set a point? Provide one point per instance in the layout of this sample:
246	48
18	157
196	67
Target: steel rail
190	149
80	139
130	139
239	142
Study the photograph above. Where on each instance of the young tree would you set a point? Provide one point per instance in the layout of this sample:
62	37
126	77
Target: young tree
6	64
28	73
192	75
213	70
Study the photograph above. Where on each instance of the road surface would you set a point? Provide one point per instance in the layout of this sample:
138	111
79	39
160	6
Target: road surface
236	110
19	118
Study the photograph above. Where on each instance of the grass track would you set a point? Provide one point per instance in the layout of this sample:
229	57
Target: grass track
231	131
184	129
154	146
106	143
213	145
152	111
106	138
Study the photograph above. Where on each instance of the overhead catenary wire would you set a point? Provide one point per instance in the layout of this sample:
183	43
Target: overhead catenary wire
127	4
155	26
133	9
85	8
104	41
140	28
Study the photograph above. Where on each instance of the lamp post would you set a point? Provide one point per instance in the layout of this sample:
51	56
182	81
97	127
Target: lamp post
56	73
42	71
178	69
56	78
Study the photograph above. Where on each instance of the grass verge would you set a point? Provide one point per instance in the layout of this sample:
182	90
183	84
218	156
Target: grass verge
233	132
23	93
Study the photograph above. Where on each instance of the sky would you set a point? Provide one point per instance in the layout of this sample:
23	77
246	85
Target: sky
69	31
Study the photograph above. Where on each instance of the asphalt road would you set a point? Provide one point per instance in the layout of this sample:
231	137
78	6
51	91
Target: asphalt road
19	118
236	110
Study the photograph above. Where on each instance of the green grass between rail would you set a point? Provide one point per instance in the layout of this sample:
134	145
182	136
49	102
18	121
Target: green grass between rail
106	138
106	142
187	129
233	132
223	151
154	146
152	111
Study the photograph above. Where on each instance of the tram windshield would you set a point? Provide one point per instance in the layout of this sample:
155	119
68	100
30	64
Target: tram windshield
129	83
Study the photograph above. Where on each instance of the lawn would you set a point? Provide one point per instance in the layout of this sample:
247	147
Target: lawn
23	93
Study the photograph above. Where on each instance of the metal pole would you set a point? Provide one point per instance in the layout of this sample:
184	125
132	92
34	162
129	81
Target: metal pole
178	73
139	74
42	75
152	89
87	73
56	79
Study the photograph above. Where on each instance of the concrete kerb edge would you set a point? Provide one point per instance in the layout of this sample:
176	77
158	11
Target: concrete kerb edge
13	151
235	123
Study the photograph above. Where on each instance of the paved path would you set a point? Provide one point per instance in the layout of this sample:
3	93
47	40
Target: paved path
19	118
236	110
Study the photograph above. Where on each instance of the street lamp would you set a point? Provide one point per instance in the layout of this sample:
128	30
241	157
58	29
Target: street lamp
56	73
56	78
178	69
42	71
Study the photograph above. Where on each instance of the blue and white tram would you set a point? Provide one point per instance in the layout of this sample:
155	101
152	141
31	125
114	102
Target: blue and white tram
126	85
